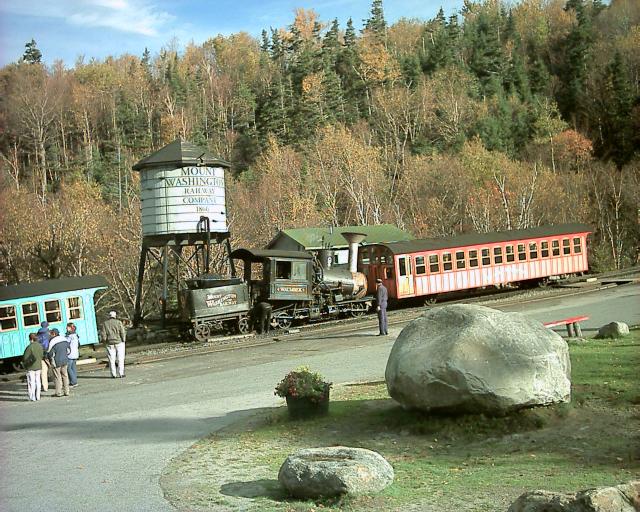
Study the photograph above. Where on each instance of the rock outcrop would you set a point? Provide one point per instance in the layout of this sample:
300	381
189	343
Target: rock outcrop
613	330
332	471
622	498
467	358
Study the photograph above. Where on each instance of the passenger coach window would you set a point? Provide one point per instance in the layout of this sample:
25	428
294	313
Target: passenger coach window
544	249
497	255
434	266
566	246
30	314
421	268
460	263
52	311
533	250
447	263
522	252
8	320
473	259
402	263
576	246
74	306
510	255
486	258
555	248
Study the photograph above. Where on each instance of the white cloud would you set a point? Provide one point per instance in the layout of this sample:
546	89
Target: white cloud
132	16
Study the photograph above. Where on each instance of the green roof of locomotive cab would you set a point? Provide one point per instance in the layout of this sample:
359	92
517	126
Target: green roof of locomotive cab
181	154
313	238
434	244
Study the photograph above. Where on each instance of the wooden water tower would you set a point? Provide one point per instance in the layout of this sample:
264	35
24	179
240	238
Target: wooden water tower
182	193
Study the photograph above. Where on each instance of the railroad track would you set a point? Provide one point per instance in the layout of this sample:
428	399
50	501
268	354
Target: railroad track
395	317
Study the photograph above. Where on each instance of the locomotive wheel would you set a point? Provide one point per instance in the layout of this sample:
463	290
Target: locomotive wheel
243	325
358	310
280	321
202	332
430	300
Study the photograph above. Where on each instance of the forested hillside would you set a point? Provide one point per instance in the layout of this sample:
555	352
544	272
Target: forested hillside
500	116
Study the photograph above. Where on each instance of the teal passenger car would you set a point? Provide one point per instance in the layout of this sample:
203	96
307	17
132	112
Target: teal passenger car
58	301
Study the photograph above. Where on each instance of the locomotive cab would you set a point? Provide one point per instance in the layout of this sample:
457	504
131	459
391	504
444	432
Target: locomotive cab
284	276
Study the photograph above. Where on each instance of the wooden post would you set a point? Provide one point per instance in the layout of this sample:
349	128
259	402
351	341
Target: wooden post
577	329
570	330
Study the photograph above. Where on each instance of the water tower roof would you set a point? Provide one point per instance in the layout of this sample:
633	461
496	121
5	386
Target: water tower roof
181	154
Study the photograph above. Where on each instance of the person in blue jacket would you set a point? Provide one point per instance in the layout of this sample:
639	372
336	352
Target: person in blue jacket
44	336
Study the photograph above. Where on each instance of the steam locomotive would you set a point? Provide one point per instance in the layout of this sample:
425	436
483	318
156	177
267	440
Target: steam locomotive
298	285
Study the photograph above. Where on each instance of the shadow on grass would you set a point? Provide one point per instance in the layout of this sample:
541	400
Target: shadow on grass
263	488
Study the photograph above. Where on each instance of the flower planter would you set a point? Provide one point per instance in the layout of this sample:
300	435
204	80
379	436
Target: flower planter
304	407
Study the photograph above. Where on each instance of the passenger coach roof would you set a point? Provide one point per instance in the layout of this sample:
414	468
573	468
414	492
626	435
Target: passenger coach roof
263	254
434	244
67	284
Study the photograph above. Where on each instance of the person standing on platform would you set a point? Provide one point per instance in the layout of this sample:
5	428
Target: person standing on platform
32	362
114	335
43	337
74	353
262	317
382	298
58	355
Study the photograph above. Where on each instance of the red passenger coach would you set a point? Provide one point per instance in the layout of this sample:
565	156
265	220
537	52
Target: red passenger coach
438	265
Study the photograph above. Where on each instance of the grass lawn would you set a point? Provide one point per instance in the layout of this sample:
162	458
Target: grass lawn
470	463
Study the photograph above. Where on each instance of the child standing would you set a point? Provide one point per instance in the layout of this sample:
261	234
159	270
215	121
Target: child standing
32	362
74	354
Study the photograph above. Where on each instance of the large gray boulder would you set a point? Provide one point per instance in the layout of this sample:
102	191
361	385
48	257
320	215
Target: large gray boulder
466	358
332	471
613	330
622	498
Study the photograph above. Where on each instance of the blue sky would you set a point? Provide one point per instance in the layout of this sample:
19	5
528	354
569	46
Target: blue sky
66	29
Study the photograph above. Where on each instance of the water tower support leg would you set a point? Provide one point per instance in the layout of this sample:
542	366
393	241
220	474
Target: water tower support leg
137	314
165	274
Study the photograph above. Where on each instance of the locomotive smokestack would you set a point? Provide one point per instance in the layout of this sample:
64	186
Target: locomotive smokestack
354	240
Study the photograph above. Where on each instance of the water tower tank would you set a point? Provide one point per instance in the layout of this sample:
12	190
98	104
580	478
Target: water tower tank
179	184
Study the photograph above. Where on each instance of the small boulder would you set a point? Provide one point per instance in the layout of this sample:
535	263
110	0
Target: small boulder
622	498
467	358
613	330
332	471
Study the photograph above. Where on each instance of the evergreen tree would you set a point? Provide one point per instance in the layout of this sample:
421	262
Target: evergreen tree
352	86
486	57
376	24
31	53
265	44
617	101
573	73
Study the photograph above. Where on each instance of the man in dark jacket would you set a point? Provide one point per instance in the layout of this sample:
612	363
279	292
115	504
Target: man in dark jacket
113	334
58	355
44	336
262	317
382	298
32	362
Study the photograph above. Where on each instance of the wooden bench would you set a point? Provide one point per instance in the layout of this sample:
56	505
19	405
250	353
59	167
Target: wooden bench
572	323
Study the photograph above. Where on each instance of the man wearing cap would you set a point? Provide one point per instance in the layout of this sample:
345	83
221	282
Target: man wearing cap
381	299
113	335
43	337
